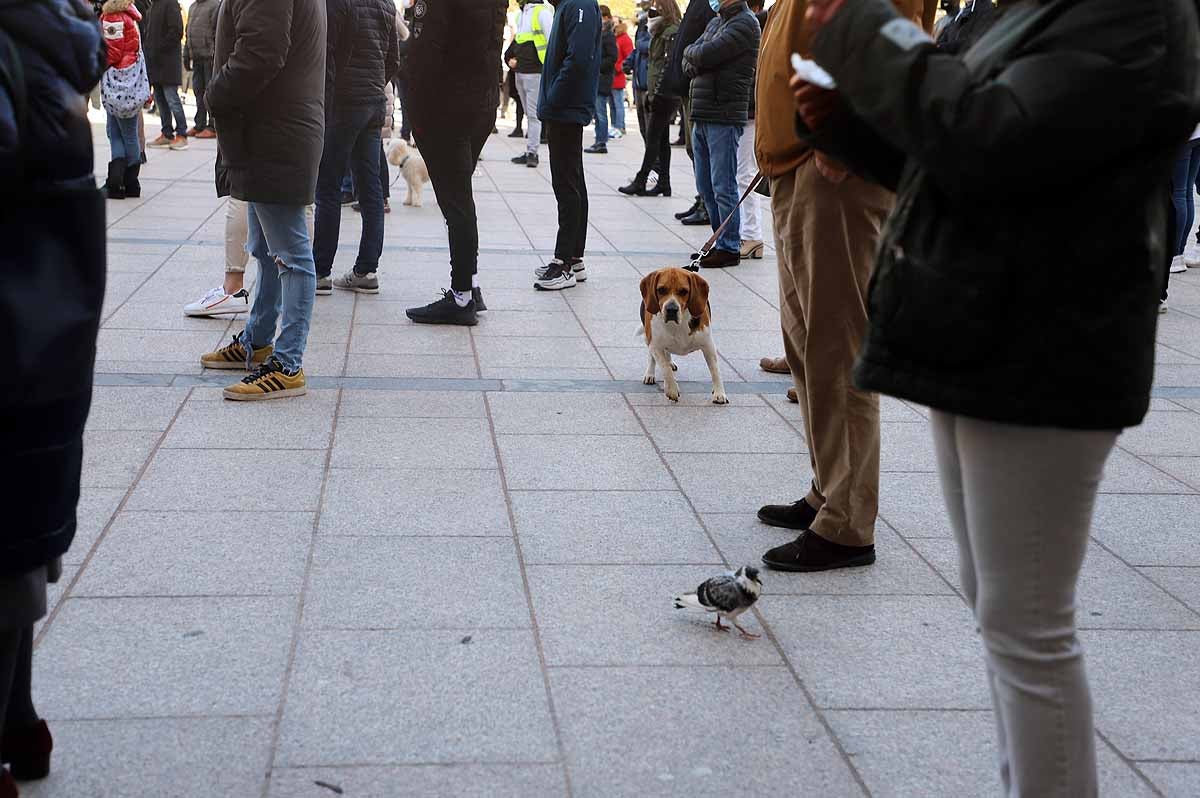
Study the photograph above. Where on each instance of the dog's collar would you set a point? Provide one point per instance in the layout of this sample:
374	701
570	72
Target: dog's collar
401	164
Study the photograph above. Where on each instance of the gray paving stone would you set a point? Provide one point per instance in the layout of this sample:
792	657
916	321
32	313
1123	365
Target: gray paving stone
459	443
1164	434
163	316
1145	530
930	657
305	424
913	505
412	404
409	339
714	428
609	527
655	399
1183	583
140	657
499	352
898	571
385	583
1175	779
154	345
621	615
1185	470
919	754
415	697
629	363
96	506
112	458
906	447
435	781
200	554
444	366
653	732
414	502
586	462
569	413
536	324
134	408
262	481
1138	704
1126	473
160	757
740	483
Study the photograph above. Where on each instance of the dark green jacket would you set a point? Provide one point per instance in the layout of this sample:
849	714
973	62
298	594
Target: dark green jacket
1018	278
661	47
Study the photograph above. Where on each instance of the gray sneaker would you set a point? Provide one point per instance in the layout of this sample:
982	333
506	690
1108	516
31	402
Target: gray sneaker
324	286
362	283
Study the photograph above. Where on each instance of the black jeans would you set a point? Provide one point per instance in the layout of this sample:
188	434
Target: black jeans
570	188
401	86
450	156
639	103
350	134
16	665
658	139
201	73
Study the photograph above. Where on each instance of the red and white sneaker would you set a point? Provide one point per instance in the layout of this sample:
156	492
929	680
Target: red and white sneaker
218	303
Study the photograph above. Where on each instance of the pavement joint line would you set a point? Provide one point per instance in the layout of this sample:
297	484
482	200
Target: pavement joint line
1104	547
421	764
1129	763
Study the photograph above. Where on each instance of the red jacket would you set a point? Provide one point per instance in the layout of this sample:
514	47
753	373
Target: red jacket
119	23
624	48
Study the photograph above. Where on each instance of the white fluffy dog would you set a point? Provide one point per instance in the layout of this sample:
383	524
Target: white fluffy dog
412	166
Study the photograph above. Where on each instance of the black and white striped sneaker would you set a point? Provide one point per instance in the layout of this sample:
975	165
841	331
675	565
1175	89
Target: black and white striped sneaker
557	276
577	268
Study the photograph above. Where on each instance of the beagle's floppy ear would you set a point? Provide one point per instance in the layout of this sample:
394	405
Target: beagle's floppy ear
649	286
697	295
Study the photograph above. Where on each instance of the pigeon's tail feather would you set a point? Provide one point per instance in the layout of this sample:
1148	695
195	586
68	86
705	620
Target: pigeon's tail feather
689	601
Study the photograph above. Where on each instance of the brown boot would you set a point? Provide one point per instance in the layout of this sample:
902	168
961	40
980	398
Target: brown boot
774	365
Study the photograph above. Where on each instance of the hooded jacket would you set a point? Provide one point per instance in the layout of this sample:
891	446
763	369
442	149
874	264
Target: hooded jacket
1039	155
452	58
119	25
201	30
571	74
721	66
162	42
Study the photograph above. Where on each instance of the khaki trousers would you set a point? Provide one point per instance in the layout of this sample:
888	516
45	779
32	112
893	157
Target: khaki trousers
826	236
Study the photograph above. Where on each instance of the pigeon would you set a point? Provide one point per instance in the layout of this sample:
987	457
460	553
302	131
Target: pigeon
728	595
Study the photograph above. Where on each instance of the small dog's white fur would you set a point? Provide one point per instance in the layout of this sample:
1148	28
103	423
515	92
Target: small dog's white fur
412	167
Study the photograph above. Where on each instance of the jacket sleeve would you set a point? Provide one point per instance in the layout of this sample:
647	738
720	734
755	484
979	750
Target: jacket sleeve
1031	125
262	38
608	55
730	42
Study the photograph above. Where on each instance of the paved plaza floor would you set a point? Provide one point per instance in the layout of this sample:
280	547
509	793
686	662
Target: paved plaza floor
448	570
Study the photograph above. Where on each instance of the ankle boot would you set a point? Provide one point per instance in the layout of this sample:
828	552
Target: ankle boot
8	787
132	187
636	188
27	752
115	185
697	205
661	189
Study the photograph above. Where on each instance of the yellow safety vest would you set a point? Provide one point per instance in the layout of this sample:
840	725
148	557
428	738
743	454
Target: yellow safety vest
538	36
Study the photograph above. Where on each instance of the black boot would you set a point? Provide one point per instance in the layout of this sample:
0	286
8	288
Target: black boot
636	188
661	189
132	187
697	205
115	185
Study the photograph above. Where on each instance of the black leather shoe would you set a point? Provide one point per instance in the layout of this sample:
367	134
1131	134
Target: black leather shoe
696	218
517	134
696	205
597	149
522	159
797	515
811	552
636	187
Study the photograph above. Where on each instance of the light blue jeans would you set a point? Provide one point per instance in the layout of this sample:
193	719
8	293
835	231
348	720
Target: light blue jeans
123	139
715	160
601	115
616	107
287	279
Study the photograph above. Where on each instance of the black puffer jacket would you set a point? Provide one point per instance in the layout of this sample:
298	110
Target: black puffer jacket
721	65
268	96
201	30
691	27
608	60
1038	156
452	58
374	59
162	43
52	223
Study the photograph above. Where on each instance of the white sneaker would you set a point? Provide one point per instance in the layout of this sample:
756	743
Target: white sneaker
1162	306
615	134
577	269
1191	256
557	277
1177	265
218	303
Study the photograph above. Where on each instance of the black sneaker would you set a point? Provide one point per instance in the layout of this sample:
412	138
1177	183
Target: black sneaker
811	552
521	159
477	296
557	277
797	515
517	133
597	149
347	198
445	311
531	160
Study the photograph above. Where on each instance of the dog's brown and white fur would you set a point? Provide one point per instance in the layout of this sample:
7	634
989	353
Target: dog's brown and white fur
677	321
412	167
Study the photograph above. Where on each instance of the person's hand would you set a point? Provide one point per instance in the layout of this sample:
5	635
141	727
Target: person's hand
819	12
830	169
512	63
816	105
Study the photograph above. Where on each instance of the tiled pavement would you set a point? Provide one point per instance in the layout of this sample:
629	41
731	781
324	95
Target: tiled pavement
447	571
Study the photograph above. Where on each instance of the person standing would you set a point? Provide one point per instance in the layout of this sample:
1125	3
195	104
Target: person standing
525	57
267	97
454	51
608	62
660	106
162	44
616	100
353	127
53	261
721	66
638	66
566	105
750	210
677	83
197	56
123	48
975	310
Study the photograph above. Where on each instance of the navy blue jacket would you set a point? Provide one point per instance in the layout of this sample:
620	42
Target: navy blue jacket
638	61
571	72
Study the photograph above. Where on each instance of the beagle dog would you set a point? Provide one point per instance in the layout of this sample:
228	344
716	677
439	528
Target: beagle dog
676	319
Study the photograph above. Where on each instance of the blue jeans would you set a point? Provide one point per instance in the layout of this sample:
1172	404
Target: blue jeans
287	279
123	139
616	104
201	76
601	119
350	134
169	104
1187	169
714	154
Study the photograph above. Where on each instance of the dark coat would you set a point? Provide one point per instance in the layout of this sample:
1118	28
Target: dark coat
374	58
638	62
662	45
162	42
453	53
608	60
721	65
268	96
339	35
1007	194
959	34
52	223
691	28
201	30
571	73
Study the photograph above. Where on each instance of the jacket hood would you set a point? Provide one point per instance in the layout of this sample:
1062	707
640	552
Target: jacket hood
117	6
63	33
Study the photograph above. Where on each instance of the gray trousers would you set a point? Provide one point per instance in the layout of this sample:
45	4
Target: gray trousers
1020	501
529	86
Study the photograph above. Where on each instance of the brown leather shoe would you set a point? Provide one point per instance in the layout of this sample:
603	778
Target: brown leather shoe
720	259
191	131
179	143
774	365
27	752
207	133
159	143
792	396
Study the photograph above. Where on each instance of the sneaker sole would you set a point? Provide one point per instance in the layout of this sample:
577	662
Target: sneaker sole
853	562
444	321
324	292
196	314
226	366
779	525
250	397
359	289
558	287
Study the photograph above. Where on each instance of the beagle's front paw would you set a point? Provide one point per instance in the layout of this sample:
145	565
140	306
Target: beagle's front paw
648	380
673	393
719	398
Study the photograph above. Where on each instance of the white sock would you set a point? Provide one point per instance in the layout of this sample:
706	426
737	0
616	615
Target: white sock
475	280
461	298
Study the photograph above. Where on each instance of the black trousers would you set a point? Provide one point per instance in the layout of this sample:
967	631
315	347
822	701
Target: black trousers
16	669
450	155
658	138
639	103
570	188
